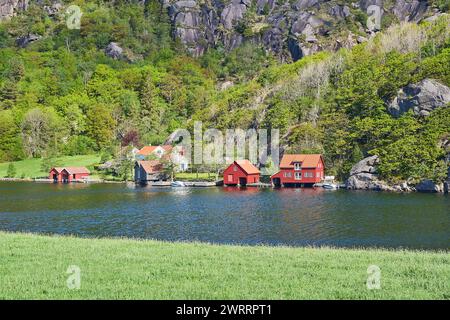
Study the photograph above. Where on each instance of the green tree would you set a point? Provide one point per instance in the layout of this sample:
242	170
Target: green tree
100	125
11	171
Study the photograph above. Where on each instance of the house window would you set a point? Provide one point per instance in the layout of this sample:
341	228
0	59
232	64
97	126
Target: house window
297	166
318	174
298	176
230	177
235	168
287	175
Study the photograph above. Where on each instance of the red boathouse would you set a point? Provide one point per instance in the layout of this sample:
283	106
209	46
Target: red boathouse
241	172
299	170
68	174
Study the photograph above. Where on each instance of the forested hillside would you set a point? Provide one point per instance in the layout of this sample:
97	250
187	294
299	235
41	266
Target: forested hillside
127	78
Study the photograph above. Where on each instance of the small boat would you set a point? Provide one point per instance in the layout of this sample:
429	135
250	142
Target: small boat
330	186
178	184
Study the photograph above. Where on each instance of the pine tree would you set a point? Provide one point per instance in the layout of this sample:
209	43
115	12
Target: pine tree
11	172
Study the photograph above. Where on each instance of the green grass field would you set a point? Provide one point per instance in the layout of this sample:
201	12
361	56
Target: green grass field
35	267
31	168
201	176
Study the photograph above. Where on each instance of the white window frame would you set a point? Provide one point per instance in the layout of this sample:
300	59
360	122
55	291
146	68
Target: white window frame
298	175
297	166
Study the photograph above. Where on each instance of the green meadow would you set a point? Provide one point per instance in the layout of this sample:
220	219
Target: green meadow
35	267
31	168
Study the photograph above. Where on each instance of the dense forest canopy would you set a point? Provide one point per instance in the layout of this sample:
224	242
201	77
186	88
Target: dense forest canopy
63	95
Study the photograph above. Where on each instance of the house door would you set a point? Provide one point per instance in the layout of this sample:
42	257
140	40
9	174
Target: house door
230	178
277	182
242	181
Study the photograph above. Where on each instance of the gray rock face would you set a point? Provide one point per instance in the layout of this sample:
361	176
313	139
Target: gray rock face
340	12
422	98
114	51
363	176
289	29
26	40
366	165
429	186
9	8
412	10
54	9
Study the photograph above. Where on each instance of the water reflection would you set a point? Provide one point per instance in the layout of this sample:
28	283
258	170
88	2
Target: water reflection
229	215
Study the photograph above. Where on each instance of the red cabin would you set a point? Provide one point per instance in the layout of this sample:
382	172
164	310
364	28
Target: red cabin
299	170
241	172
68	174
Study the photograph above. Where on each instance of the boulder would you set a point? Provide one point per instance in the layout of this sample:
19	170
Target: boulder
429	186
422	98
54	9
9	8
114	51
363	176
366	165
26	40
305	4
412	10
339	12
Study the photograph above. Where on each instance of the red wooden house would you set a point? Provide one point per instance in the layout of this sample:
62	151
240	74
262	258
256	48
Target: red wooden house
299	170
240	172
68	174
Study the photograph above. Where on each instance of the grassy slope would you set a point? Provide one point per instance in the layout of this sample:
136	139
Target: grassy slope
31	168
35	267
202	176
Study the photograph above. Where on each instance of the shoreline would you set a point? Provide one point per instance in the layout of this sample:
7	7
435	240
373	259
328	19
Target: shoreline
204	184
151	269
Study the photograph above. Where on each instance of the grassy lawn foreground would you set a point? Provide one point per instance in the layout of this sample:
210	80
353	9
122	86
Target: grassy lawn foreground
34	267
31	168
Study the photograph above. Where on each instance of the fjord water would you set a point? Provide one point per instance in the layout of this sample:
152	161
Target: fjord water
295	217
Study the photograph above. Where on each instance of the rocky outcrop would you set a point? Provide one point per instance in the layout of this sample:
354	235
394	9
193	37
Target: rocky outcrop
429	186
9	8
410	10
53	9
26	40
422	98
114	51
363	176
289	29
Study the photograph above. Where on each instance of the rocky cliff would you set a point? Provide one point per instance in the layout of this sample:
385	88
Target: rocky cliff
289	28
9	8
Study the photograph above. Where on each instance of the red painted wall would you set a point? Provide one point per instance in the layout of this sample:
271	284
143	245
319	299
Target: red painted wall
50	176
291	179
66	176
235	175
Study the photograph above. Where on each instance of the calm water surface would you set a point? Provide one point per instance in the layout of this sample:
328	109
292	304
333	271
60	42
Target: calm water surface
295	217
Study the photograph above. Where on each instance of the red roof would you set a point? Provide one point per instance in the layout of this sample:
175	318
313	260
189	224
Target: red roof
76	170
247	166
71	170
147	150
306	160
151	166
